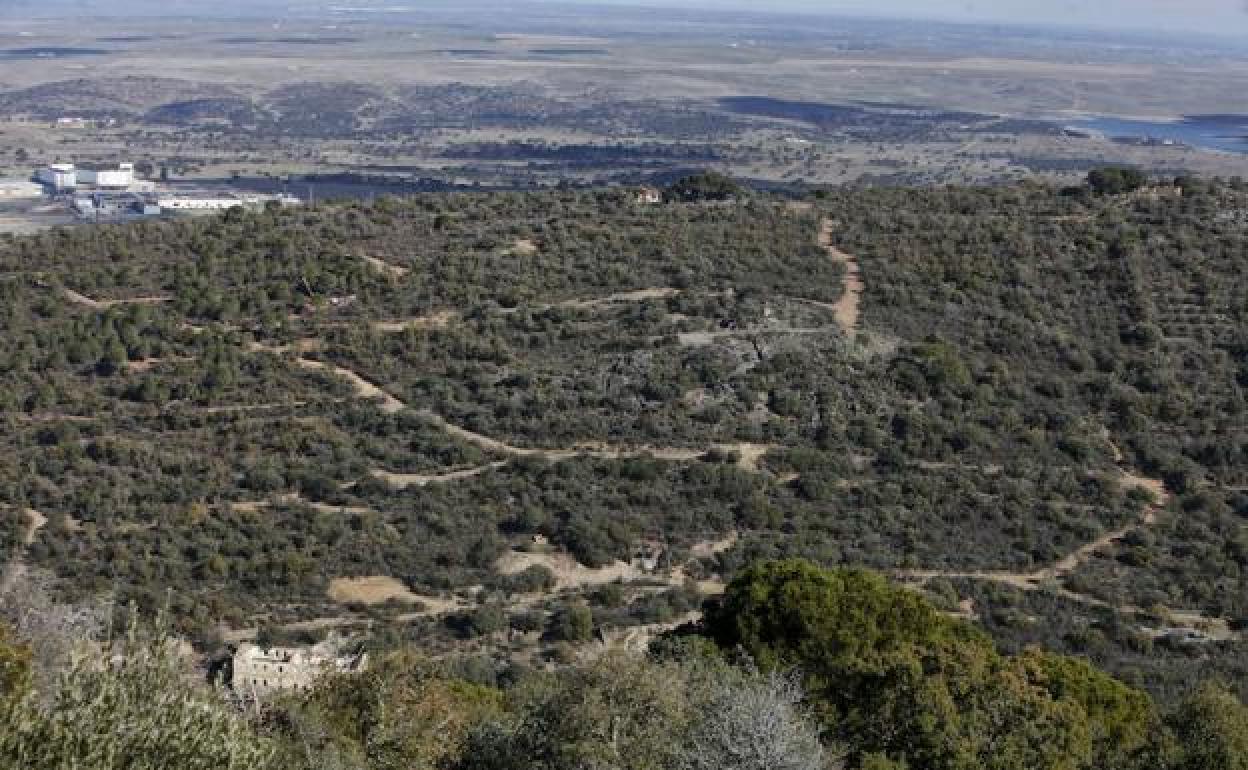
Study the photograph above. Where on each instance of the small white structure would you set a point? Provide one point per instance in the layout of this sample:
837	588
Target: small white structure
58	176
20	188
109	177
199	204
221	202
259	671
649	196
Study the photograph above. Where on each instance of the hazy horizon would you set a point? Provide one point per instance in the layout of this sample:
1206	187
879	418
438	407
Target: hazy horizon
1224	17
1220	17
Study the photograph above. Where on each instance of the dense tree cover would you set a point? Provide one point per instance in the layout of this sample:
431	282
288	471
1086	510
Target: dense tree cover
1116	181
706	186
894	676
1013	340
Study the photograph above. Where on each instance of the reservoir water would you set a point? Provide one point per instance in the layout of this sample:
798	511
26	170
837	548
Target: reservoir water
1212	132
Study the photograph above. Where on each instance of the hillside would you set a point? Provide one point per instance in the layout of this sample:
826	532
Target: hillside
1029	404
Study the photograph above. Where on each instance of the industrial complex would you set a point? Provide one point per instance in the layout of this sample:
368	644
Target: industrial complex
113	192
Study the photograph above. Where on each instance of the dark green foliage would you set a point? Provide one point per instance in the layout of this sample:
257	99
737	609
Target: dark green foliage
706	186
1212	731
895	678
1116	181
1007	332
573	623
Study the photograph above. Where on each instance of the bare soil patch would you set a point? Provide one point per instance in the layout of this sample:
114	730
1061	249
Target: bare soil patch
377	589
385	267
567	571
524	247
708	548
35	521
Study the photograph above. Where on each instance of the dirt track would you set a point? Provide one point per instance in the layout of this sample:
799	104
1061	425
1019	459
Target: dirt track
1031	581
383	266
405	480
363	388
847	308
105	304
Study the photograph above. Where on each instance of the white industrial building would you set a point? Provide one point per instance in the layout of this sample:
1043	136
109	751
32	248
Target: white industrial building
58	176
118	176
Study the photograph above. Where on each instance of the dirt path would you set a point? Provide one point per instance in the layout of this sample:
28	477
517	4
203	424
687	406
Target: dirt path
383	266
749	454
702	339
147	364
305	345
846	308
35	521
363	388
105	304
405	480
294	498
1031	581
641	295
438	320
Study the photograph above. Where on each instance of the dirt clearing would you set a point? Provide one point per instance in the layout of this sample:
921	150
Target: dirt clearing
382	266
377	589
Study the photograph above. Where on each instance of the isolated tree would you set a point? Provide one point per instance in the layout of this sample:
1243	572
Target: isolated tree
707	186
1211	726
1116	180
573	623
754	722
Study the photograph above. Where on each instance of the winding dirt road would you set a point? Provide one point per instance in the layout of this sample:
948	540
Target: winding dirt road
847	308
1032	581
